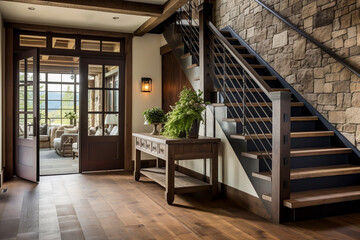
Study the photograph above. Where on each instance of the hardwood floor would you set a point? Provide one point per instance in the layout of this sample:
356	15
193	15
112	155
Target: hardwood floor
114	206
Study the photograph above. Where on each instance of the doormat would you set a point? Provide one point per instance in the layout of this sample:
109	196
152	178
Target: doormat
3	190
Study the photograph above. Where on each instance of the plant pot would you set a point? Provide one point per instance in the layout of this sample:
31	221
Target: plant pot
194	130
155	130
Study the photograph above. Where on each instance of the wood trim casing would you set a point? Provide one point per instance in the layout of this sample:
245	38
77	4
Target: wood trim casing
65	30
128	104
123	7
8	125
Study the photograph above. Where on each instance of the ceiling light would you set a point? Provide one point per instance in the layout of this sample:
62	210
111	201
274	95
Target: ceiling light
116	18
31	8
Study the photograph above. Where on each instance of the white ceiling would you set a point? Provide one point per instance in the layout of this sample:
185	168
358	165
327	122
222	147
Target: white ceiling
75	18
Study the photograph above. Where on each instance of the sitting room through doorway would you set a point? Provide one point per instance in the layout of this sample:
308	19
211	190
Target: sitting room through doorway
59	111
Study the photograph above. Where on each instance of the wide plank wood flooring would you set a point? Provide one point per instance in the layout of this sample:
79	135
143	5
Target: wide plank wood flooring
114	206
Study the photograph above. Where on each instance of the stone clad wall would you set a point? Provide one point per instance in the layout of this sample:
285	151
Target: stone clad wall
332	89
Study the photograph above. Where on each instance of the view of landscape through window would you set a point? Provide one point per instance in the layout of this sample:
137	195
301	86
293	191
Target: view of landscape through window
59	93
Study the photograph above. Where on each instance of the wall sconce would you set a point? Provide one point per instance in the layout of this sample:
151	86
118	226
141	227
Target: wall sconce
146	84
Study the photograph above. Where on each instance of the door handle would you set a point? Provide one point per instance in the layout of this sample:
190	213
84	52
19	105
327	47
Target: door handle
34	127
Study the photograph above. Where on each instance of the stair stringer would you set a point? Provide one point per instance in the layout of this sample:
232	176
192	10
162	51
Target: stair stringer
174	39
248	164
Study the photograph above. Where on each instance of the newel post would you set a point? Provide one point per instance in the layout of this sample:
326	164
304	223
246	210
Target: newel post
205	15
280	184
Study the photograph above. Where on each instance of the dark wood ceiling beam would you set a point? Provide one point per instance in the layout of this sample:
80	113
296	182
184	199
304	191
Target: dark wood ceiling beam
114	6
169	8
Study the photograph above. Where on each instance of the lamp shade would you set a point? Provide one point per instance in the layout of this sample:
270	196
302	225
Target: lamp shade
111	119
146	84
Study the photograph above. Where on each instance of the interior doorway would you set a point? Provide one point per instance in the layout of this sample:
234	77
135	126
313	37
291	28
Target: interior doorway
59	107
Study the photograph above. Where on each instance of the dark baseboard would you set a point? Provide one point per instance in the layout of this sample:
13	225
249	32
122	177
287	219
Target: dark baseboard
237	197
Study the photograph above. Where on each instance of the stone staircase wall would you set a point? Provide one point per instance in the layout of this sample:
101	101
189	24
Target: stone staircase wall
332	89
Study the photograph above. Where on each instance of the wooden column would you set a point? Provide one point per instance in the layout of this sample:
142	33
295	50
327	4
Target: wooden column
205	15
280	185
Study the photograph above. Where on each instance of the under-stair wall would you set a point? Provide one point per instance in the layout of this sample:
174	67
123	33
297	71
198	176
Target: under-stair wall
329	87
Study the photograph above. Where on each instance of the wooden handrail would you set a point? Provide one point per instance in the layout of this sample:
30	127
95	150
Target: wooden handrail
244	64
311	39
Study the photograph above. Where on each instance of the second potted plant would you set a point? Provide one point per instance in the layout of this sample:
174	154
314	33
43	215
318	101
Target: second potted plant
154	116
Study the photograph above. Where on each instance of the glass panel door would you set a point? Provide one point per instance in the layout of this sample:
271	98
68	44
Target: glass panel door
26	153
102	87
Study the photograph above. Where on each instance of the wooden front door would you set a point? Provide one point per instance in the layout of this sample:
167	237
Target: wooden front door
102	114
26	115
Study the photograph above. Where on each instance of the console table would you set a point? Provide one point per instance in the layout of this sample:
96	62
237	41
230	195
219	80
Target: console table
171	149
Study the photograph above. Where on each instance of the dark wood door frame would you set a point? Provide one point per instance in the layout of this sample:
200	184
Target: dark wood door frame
8	88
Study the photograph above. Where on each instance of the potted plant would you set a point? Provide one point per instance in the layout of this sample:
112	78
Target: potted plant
185	117
71	116
154	116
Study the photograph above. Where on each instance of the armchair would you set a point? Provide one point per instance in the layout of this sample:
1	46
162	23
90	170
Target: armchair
63	144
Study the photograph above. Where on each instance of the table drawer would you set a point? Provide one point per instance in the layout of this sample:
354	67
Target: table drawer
154	147
148	145
162	149
138	142
142	143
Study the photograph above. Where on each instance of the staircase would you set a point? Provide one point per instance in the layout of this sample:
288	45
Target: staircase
318	173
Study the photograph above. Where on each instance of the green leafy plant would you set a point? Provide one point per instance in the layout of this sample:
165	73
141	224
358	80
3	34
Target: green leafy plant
71	116
188	109
154	115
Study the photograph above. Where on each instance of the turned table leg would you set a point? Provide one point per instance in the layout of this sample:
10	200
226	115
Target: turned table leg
137	165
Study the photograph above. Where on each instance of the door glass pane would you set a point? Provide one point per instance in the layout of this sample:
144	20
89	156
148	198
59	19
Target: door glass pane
95	100
21	98
30	98
111	76
30	70
30	126
54	114
110	46
63	43
95	125
21	71
54	77
42	77
111	100
68	78
111	125
32	41
21	126
90	45
95	76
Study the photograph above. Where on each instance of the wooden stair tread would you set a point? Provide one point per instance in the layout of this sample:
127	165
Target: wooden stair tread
255	104
180	46
314	172
244	55
266	78
265	119
231	39
235	46
292	135
303	152
192	66
238	65
186	55
320	197
250	90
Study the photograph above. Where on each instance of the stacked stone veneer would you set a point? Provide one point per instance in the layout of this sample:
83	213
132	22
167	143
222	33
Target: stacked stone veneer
332	89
